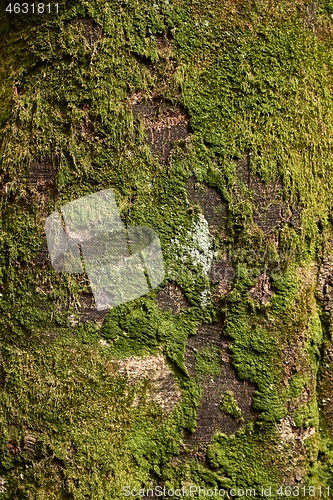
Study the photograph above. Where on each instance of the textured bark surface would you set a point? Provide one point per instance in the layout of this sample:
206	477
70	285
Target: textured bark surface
212	122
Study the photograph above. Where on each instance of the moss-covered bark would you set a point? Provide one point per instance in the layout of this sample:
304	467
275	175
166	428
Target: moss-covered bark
213	124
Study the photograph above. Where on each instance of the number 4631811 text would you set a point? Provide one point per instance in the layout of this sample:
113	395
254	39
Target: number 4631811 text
32	8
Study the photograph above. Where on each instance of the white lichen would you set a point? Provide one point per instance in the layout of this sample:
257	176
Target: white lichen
205	297
193	255
200	246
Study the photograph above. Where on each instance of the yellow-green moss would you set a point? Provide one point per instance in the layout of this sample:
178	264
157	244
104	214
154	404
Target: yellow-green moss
254	78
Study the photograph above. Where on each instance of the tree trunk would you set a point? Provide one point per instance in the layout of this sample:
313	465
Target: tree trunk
212	125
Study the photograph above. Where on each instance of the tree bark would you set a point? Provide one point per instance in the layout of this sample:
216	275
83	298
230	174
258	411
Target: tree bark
212	124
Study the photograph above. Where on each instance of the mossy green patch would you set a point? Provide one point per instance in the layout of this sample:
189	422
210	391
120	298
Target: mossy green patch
229	405
259	466
255	79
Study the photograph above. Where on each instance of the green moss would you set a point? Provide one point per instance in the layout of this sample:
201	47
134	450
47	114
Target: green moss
229	405
307	415
256	353
259	465
297	383
256	80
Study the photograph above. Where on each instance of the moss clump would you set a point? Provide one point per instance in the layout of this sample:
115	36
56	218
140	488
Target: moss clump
229	405
260	466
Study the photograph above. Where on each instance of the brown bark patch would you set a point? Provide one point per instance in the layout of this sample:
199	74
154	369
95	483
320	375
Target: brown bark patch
325	387
172	298
324	289
42	260
42	174
161	385
88	311
222	275
165	124
211	203
210	418
29	444
271	211
90	31
163	45
262	290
